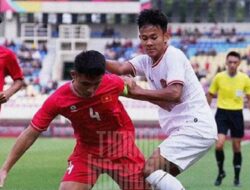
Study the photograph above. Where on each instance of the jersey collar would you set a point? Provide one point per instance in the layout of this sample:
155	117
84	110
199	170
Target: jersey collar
159	60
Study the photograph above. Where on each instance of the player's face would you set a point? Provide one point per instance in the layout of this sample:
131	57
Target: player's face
85	85
153	40
232	64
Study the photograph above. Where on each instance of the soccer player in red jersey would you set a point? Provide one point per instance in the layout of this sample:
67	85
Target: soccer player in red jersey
105	140
9	67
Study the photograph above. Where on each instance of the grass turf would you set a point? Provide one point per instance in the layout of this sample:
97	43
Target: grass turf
43	165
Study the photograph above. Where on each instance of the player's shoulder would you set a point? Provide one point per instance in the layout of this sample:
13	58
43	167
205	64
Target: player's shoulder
243	75
5	51
63	89
172	49
111	78
221	74
112	81
142	58
173	52
61	97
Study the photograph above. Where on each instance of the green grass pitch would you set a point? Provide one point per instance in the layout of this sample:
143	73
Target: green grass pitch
42	167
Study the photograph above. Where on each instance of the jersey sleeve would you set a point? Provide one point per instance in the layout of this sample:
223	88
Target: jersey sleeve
12	67
247	87
176	69
138	64
214	85
45	114
119	83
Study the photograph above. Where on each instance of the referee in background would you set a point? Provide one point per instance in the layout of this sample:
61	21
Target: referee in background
230	86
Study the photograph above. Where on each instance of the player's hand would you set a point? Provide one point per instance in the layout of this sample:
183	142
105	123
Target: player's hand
3	98
129	81
3	175
133	88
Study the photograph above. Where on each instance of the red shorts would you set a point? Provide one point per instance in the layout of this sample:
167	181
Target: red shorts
125	166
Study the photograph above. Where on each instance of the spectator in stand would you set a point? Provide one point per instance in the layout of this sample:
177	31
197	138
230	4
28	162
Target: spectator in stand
179	31
9	67
108	31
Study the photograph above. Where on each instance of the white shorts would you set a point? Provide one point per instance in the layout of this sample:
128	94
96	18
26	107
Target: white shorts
184	147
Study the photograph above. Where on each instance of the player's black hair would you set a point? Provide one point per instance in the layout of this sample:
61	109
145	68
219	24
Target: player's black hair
234	53
152	17
91	63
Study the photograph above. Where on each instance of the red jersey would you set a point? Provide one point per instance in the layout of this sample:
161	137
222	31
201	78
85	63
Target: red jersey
99	122
8	66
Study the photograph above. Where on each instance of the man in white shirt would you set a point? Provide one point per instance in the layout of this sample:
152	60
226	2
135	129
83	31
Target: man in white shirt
184	113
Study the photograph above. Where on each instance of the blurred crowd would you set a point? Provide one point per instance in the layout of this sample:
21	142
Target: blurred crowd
193	42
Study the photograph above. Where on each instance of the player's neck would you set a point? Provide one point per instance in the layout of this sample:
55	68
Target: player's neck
76	91
156	60
232	74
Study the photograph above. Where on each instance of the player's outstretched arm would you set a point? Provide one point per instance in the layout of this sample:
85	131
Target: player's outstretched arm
129	91
23	142
119	68
169	94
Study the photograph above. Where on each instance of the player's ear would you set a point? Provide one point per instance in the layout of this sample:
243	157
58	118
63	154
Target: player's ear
166	37
73	74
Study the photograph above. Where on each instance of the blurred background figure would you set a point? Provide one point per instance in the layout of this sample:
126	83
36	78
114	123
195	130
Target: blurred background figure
9	67
230	86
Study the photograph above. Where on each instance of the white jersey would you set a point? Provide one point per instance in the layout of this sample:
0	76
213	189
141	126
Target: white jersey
193	110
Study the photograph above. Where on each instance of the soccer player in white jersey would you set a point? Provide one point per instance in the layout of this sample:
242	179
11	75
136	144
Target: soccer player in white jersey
184	113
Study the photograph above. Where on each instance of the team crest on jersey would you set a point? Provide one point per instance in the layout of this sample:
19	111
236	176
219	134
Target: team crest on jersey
106	98
73	108
163	83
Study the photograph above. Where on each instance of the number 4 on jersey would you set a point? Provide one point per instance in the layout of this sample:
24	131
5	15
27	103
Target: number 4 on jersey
94	115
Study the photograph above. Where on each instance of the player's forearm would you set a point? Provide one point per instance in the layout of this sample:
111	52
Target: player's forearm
119	68
155	96
114	67
209	98
23	142
17	85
